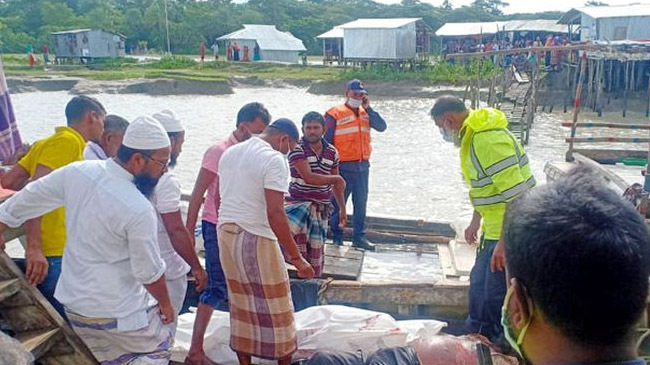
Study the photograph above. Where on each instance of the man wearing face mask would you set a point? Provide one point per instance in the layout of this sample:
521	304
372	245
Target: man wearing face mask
254	178
497	171
112	270
578	267
252	118
348	129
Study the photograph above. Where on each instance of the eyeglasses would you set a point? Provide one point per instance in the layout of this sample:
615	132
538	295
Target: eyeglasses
162	164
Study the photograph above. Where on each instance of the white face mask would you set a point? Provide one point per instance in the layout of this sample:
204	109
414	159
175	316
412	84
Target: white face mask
354	103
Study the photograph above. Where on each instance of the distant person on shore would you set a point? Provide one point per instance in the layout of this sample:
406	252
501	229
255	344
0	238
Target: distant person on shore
246	59
229	52
253	179
202	51
236	49
252	119
46	54
215	51
348	129
315	179
110	141
256	53
46	234
175	241
112	281
32	59
578	261
497	170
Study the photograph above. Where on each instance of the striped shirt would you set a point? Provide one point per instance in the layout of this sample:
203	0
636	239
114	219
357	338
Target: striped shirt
321	164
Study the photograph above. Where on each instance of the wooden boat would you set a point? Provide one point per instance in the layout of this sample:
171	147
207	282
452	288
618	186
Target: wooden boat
28	317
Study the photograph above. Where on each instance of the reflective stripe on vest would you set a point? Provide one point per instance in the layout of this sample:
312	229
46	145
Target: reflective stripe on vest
484	175
506	195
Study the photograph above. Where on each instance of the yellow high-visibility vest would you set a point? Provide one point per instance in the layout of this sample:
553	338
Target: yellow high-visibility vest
494	165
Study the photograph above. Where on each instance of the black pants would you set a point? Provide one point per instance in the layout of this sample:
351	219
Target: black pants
388	356
487	291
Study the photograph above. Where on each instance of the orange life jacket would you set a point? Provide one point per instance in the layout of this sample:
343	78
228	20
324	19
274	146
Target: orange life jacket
351	134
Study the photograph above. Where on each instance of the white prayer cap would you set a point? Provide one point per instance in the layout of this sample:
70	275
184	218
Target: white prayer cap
169	121
145	134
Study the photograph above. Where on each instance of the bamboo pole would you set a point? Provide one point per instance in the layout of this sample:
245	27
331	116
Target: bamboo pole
606	139
608	125
576	105
646	182
626	87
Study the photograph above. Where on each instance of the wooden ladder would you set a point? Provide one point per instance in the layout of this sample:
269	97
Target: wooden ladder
28	317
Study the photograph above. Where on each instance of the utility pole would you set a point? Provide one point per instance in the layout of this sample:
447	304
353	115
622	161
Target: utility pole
169	51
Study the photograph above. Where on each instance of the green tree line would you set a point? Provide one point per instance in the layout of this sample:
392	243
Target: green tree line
24	22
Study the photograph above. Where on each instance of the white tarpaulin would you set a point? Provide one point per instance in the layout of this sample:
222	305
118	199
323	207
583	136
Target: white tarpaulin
329	327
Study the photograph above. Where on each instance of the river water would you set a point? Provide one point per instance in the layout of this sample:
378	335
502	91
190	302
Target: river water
413	174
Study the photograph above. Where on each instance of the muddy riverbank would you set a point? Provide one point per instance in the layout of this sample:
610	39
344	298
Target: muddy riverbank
168	87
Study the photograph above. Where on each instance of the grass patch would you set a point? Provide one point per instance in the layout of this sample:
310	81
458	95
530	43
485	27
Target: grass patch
184	67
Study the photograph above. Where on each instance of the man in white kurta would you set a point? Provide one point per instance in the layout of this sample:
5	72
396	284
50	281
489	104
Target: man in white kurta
176	247
112	272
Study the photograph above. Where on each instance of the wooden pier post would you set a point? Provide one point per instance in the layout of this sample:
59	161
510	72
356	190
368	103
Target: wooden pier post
647	109
576	105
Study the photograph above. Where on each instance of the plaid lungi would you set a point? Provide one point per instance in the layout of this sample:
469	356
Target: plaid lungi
261	311
308	222
149	345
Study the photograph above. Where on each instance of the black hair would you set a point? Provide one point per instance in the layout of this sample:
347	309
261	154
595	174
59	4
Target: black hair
251	111
173	135
445	104
125	153
583	253
79	105
115	124
313	117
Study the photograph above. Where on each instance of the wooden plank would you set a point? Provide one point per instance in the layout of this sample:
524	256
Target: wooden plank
607	156
8	288
340	263
25	319
607	139
39	342
608	125
443	293
41	315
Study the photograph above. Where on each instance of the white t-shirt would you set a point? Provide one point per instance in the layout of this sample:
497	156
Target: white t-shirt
245	170
167	199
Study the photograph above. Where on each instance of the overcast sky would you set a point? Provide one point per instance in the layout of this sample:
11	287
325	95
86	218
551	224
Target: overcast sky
528	6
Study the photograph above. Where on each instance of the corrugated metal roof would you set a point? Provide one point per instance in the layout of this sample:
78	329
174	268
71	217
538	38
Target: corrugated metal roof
336	32
75	31
539	25
267	37
72	31
467	29
379	23
599	12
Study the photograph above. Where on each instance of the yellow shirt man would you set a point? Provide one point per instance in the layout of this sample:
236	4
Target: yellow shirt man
63	147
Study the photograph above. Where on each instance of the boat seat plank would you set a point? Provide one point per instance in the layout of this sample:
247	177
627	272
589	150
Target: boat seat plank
8	288
39	342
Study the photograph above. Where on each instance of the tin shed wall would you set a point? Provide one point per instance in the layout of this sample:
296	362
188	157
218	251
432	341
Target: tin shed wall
379	43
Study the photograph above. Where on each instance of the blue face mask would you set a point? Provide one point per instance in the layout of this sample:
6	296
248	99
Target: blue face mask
508	332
